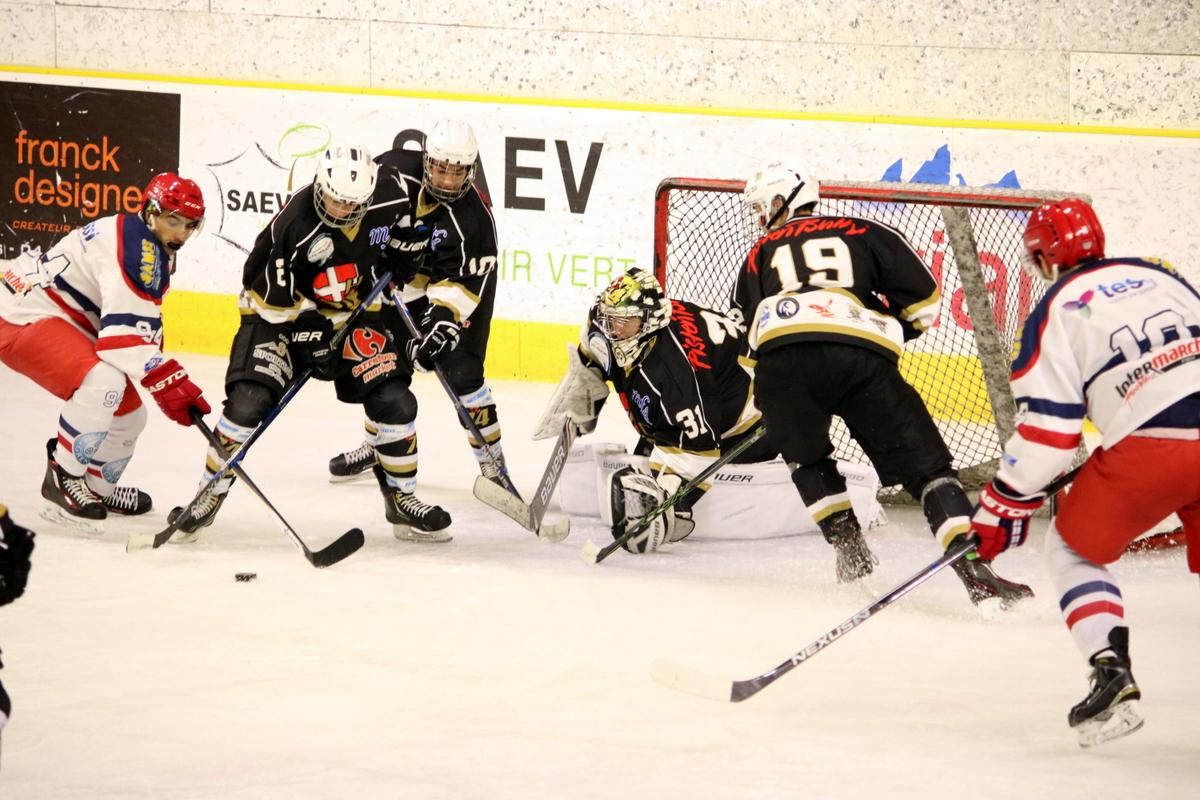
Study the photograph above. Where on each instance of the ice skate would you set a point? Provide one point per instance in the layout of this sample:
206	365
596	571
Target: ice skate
69	500
854	559
494	469
412	520
352	465
127	501
1110	710
201	517
982	583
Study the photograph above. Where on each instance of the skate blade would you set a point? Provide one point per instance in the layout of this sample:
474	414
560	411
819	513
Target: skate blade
358	476
1122	720
51	512
407	534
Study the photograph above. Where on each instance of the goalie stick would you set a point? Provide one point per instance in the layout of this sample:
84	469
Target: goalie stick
674	675
343	546
530	515
142	541
553	532
594	554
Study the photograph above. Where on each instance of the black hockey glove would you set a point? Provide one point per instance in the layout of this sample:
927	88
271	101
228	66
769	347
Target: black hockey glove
310	345
16	546
441	336
411	239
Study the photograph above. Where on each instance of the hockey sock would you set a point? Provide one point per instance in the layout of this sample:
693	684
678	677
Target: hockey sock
87	417
947	509
231	435
1089	597
822	488
396	450
112	456
482	408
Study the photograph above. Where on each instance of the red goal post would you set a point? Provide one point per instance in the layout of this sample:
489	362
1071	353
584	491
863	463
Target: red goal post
969	237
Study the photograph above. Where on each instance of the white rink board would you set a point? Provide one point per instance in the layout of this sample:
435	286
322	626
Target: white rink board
238	141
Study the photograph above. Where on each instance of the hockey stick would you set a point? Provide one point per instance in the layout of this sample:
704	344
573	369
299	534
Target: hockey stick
141	541
530	515
342	547
676	676
555	532
594	554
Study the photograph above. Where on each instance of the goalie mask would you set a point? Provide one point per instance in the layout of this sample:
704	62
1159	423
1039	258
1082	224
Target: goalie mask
449	160
794	189
1061	235
631	309
344	185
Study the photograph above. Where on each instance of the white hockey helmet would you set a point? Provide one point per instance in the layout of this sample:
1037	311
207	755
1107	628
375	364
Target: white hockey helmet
449	159
344	184
794	188
635	296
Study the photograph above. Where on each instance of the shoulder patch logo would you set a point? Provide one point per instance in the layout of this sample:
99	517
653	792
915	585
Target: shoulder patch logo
320	249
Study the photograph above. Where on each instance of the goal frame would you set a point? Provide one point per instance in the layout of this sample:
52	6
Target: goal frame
953	203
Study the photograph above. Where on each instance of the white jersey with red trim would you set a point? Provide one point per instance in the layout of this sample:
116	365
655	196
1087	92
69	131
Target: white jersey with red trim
1118	341
107	279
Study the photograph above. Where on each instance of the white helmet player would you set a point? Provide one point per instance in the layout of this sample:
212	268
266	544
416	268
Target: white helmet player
632	308
449	159
794	188
344	184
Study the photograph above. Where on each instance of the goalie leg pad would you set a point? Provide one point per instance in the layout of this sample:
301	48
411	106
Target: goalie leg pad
633	495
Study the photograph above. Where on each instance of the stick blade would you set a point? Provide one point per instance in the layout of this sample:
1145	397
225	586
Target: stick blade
499	498
590	552
342	547
555	531
139	541
676	676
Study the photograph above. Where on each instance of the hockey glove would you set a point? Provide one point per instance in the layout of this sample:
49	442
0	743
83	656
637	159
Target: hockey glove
16	546
170	386
310	345
441	336
1002	518
410	239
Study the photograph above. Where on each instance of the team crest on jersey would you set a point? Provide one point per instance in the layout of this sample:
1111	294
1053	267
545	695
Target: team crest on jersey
336	284
439	236
320	250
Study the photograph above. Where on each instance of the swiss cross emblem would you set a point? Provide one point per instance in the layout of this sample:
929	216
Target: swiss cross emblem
333	283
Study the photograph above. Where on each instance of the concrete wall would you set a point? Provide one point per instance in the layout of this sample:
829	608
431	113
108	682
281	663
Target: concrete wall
1085	62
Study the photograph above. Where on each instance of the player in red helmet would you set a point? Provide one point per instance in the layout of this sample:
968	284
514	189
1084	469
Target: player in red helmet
83	321
1115	340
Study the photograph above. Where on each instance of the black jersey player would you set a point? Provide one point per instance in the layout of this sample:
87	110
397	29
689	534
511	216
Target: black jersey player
675	367
830	302
307	271
448	268
16	546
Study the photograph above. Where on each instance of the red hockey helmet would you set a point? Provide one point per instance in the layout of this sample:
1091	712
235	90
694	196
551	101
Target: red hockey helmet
1062	234
169	192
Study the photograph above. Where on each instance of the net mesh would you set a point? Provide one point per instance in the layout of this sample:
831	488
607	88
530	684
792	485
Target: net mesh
703	232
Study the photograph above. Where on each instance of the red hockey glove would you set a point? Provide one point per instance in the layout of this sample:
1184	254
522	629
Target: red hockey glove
1001	520
173	390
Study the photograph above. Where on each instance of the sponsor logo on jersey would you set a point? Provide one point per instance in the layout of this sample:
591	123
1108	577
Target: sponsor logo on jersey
363	343
89	232
785	308
379	235
320	249
642	402
694	345
1126	288
1081	305
1176	356
823	311
439	236
148	272
336	284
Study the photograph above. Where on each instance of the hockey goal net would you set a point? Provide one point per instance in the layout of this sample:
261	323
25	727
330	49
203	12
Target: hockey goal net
970	238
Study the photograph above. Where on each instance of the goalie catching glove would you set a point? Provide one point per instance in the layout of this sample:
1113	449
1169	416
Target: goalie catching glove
579	397
634	494
1002	518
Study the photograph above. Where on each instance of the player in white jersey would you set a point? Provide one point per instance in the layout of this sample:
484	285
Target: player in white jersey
1116	340
83	324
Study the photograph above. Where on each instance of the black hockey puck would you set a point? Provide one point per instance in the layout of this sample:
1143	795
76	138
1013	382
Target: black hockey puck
245	577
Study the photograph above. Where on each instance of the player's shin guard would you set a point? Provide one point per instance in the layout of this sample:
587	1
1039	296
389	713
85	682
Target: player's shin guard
109	462
948	512
396	452
88	416
1088	595
823	490
482	408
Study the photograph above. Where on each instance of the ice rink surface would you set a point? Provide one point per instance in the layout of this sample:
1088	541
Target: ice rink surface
499	666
